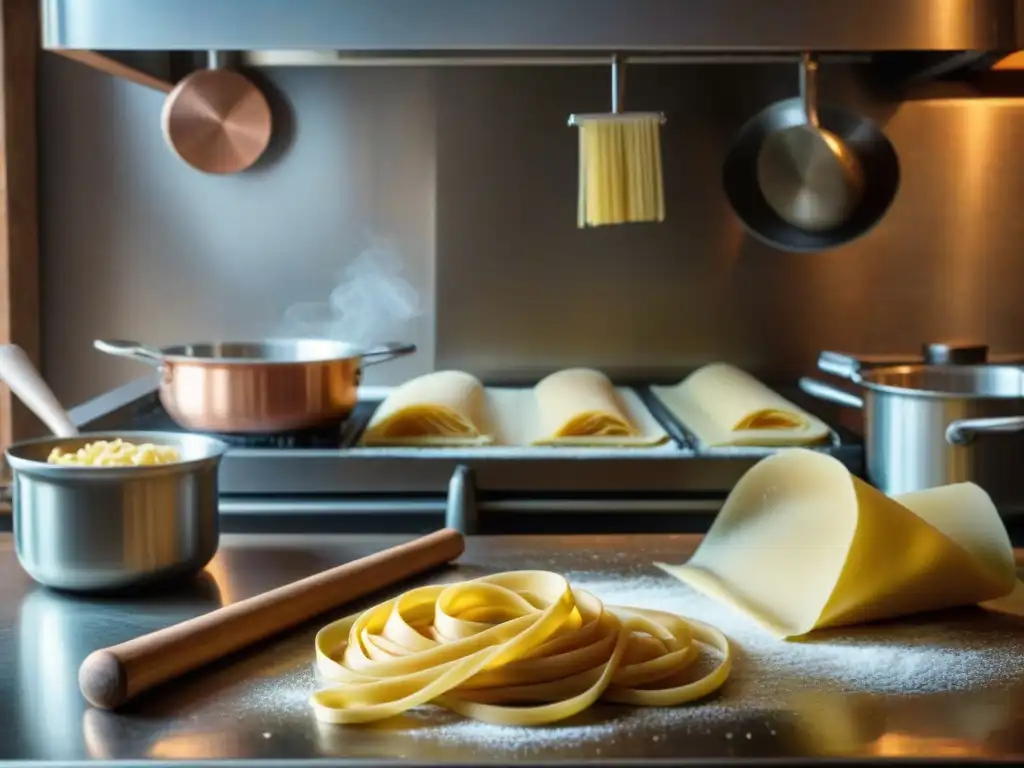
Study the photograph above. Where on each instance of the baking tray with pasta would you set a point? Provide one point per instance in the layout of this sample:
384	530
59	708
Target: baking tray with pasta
509	440
330	460
573	408
834	441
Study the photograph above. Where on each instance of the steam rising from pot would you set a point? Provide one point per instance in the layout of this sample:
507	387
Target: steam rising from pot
372	303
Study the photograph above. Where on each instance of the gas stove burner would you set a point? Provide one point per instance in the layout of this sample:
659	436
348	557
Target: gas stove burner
337	434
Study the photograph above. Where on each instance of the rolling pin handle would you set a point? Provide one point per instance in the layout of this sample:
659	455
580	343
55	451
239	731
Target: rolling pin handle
461	513
103	680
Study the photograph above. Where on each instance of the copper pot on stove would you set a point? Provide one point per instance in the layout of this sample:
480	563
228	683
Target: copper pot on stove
257	387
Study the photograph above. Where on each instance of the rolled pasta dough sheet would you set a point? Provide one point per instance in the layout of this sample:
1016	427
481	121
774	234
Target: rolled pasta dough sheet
580	402
723	405
802	544
440	408
528	417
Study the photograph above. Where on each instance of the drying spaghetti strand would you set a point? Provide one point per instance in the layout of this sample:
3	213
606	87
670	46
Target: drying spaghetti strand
620	175
517	648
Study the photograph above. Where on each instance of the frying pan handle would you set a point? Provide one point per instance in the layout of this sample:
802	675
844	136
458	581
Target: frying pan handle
387	351
809	88
133	350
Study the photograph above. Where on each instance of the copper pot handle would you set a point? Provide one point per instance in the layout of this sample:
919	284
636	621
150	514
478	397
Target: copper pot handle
387	351
133	350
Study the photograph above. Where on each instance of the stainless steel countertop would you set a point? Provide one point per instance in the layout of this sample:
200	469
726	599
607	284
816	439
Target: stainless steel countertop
254	707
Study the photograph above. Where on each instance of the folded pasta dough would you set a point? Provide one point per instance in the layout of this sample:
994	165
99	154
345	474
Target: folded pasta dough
445	407
722	404
580	402
802	544
739	401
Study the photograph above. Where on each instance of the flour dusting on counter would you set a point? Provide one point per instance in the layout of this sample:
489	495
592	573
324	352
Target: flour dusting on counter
919	655
926	655
285	693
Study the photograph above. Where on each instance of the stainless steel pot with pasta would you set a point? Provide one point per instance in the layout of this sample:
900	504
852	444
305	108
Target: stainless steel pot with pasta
108	510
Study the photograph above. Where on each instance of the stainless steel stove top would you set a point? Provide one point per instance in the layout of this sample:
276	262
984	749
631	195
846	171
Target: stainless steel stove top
328	466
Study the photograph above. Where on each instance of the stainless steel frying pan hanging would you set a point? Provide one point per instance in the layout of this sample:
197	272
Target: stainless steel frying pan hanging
808	177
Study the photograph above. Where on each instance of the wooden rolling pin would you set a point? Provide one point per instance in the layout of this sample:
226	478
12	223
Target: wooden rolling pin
111	676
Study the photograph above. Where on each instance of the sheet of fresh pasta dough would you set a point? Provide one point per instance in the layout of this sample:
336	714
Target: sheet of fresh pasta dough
723	405
580	402
517	421
802	544
440	408
581	406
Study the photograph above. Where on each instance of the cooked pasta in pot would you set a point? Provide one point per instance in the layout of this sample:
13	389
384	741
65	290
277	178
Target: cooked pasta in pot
115	453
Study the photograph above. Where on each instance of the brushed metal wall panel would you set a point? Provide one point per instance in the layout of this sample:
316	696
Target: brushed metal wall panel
473	173
135	243
521	291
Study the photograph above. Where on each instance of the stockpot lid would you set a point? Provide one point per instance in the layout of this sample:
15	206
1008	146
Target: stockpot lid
974	382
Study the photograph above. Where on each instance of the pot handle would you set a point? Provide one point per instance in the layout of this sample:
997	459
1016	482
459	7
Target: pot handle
387	351
964	431
839	364
133	350
823	391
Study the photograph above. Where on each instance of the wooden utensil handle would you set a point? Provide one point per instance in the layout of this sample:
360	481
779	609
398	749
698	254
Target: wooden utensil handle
111	676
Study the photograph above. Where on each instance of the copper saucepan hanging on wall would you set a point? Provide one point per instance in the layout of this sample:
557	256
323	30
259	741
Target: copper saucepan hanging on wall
217	120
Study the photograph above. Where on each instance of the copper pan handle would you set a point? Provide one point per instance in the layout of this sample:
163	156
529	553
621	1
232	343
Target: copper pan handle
387	351
133	350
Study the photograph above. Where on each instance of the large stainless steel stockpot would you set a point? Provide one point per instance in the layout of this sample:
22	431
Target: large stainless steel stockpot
269	386
86	528
930	425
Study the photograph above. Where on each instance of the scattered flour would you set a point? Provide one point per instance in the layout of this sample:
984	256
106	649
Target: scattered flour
281	693
939	654
936	654
774	684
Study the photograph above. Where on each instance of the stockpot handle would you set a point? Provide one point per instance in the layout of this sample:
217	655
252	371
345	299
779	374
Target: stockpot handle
387	351
133	350
839	364
964	431
827	392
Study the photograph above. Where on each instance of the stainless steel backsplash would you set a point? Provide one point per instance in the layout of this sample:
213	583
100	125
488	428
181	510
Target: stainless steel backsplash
472	173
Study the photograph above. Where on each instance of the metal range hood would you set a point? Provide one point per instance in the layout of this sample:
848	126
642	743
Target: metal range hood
531	27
